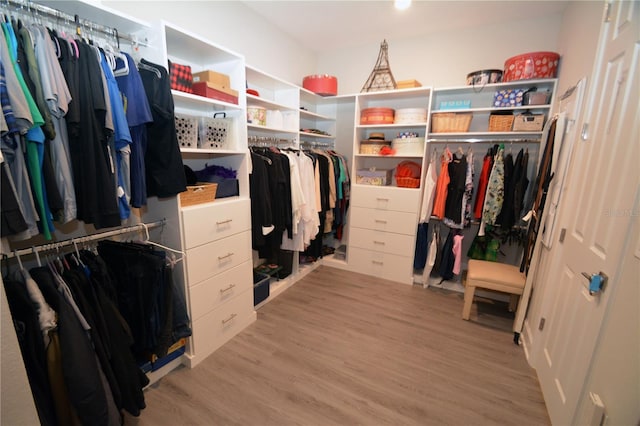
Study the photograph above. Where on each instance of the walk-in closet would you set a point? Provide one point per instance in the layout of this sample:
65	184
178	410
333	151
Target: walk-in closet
281	212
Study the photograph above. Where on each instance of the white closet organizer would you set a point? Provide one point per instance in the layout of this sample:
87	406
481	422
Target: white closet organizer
299	111
216	236
383	219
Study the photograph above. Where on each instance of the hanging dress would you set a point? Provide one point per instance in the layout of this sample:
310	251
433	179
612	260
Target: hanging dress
482	185
495	191
441	185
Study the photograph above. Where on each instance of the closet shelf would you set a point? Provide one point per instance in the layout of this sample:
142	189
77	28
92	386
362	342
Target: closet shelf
389	156
494	109
253	100
473	137
391	126
257	127
316	135
209	151
312	115
200	101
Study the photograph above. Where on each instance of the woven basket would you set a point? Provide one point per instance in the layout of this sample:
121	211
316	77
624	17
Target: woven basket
500	123
407	182
450	122
202	193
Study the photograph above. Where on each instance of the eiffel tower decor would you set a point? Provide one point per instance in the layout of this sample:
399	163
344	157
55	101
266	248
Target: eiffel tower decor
381	77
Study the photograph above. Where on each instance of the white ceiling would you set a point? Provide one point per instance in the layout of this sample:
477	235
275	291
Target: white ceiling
323	25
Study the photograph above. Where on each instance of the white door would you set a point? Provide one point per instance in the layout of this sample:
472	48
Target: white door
602	187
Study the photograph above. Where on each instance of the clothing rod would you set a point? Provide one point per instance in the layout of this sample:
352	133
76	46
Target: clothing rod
478	140
29	6
86	238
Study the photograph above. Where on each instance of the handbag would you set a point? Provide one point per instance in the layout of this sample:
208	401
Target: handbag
181	77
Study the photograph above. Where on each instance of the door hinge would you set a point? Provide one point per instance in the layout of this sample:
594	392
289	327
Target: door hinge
607	12
563	232
584	134
541	325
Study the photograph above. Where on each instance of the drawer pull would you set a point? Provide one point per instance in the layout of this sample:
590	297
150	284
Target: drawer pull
231	317
377	262
229	287
225	256
382	199
222	222
379	242
380	221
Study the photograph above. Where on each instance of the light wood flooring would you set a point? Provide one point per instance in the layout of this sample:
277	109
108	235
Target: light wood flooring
340	348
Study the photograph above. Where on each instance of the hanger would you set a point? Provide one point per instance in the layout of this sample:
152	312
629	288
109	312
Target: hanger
156	71
125	62
17	256
147	240
37	255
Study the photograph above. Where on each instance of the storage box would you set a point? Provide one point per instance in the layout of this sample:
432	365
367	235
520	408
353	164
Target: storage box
174	351
321	84
261	287
410	116
408	146
528	122
187	130
500	122
215	78
407	84
377	116
508	98
455	104
373	147
215	92
379	177
201	193
213	132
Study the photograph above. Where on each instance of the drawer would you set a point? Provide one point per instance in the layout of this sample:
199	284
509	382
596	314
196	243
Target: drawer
397	199
218	326
383	265
384	220
385	242
211	293
205	261
210	222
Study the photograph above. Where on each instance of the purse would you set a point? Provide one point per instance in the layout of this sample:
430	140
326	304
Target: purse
181	77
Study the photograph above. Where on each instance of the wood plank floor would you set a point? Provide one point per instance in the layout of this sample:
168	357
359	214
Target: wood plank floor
340	348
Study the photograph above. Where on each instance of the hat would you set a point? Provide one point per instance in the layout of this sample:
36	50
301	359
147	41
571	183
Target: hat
376	136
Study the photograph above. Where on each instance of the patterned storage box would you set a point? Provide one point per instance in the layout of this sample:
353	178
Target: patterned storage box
187	130
508	98
214	131
379	177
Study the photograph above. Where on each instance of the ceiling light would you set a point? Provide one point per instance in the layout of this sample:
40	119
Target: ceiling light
402	4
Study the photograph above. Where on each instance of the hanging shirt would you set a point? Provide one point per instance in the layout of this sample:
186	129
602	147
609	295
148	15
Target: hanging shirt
442	185
431	179
495	191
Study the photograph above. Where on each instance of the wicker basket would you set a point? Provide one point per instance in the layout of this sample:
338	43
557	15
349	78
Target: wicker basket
500	123
407	182
450	122
202	193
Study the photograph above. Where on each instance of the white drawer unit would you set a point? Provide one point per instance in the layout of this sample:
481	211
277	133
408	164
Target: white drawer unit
384	220
209	222
380	241
383	198
213	292
219	325
205	261
384	265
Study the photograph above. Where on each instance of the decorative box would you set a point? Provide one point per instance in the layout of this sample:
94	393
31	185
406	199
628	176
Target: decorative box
508	98
528	122
410	116
408	146
377	116
531	65
379	177
455	104
215	78
215	92
407	84
321	84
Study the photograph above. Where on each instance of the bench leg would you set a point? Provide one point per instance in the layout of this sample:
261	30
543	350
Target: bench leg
468	301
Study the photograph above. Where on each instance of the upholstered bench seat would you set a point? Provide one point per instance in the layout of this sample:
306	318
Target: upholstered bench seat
492	276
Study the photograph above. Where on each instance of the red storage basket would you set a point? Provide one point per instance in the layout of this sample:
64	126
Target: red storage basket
531	65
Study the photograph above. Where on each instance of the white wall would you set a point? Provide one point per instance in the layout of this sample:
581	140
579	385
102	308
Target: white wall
234	26
442	60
